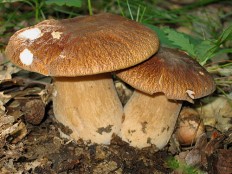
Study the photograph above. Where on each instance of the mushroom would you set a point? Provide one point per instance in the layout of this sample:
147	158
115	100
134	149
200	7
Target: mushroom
161	84
78	53
189	127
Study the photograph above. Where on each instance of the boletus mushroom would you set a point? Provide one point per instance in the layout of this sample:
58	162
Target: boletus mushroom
161	84
78	53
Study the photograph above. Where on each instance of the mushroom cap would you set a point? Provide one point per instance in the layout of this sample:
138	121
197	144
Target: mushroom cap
82	45
171	72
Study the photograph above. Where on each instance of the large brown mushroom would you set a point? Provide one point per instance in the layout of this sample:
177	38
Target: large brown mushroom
77	53
161	84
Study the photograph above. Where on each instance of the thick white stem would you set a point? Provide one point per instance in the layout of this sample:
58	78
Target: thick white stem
89	106
149	119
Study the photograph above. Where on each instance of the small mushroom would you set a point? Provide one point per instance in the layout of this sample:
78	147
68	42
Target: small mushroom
189	126
78	53
161	84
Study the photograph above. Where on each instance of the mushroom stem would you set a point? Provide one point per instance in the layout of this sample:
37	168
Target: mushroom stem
89	106
149	119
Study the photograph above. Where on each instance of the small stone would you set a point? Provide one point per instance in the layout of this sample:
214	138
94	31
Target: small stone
34	111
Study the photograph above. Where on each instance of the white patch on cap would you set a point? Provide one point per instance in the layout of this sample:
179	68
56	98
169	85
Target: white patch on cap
56	34
190	94
201	73
26	57
62	56
31	34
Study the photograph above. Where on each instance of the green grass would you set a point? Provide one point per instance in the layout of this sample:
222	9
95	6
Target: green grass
181	167
154	17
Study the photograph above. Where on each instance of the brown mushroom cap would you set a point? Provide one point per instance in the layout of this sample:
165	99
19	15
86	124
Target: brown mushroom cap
82	45
171	72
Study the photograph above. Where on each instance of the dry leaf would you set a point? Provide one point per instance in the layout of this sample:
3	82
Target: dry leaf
218	112
46	94
6	119
17	130
124	92
3	100
6	70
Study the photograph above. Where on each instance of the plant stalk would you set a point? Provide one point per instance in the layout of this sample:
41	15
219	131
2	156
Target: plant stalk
90	8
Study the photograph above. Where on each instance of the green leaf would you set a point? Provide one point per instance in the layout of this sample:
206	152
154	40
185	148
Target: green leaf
204	50
223	51
162	35
172	38
208	49
181	41
70	3
226	35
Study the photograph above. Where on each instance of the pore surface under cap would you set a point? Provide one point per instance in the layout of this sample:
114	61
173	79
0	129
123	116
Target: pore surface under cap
83	45
171	72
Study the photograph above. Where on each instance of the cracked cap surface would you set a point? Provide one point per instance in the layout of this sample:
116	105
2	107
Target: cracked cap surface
82	46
